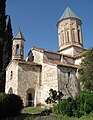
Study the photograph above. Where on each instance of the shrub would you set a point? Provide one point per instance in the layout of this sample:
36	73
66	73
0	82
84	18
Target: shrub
10	105
81	105
54	96
64	107
46	112
84	103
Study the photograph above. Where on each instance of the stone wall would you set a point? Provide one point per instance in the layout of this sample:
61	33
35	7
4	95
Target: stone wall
67	81
38	57
29	78
12	77
78	60
49	80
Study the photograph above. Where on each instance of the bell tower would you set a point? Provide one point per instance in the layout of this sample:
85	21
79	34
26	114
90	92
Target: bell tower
70	33
18	46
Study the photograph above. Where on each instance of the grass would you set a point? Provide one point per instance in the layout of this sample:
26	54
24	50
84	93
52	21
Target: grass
35	114
33	111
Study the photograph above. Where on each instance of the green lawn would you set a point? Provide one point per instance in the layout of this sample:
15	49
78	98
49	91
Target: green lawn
35	114
33	111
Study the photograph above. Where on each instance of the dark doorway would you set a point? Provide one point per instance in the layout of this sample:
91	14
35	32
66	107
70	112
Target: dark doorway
30	97
30	100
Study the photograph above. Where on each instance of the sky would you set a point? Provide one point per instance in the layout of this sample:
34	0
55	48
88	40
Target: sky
37	20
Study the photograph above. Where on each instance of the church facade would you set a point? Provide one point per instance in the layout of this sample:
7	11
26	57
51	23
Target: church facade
42	69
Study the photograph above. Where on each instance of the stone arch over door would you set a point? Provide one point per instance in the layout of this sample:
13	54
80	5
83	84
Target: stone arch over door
30	97
10	91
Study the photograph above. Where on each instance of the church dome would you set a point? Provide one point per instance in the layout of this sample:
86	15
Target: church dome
68	13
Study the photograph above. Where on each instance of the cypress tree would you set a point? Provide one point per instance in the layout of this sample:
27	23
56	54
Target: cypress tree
2	40
8	44
9	38
7	50
2	30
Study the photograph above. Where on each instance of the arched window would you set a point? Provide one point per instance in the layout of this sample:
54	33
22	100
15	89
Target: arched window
10	91
11	76
67	36
73	36
68	79
79	36
62	38
17	50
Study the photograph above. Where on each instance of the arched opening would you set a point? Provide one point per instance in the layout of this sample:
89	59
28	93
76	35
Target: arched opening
67	36
62	38
11	76
17	50
79	36
30	97
10	91
73	36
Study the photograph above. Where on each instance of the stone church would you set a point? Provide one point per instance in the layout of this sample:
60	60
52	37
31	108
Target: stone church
33	77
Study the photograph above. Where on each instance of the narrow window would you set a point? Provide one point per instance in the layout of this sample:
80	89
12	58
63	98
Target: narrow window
11	76
67	36
73	36
63	37
10	91
32	58
68	76
17	50
79	36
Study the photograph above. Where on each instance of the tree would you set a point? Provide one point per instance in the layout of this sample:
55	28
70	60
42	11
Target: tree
2	30
5	43
2	39
8	44
7	50
86	70
54	96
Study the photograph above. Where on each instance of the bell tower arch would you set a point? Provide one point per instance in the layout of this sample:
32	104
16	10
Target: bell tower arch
18	46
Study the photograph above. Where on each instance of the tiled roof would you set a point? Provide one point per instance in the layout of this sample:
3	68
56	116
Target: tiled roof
57	53
61	64
68	13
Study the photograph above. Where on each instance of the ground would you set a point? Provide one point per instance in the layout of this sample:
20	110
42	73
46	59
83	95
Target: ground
36	114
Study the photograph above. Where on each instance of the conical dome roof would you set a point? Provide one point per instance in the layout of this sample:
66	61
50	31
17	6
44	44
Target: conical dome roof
19	35
68	13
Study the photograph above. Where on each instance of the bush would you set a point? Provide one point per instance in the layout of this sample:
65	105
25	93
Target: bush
64	107
84	103
10	105
54	96
77	107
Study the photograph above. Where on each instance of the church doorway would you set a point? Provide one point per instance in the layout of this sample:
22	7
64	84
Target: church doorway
30	97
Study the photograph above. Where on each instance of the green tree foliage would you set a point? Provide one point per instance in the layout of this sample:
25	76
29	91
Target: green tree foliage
10	105
54	96
2	39
84	103
81	105
8	44
2	30
5	43
86	70
64	107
